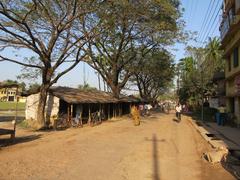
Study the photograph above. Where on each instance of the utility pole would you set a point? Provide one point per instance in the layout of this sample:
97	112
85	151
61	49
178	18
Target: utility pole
84	75
202	93
99	84
104	85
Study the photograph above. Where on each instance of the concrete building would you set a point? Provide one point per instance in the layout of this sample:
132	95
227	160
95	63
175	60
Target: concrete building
230	38
11	93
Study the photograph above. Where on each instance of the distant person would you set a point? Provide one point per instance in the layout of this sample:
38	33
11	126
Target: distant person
135	115
168	107
222	111
141	109
178	109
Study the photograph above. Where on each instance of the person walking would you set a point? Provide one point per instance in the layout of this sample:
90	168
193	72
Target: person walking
135	115
178	109
222	115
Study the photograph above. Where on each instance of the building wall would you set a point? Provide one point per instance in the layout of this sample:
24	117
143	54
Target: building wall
230	87
231	41
10	94
52	106
232	70
232	82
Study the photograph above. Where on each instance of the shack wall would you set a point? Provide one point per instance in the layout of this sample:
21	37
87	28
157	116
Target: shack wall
52	106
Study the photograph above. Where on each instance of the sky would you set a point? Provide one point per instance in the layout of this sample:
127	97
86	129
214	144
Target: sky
201	16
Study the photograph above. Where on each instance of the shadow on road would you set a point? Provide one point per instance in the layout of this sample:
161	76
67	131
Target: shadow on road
18	140
156	168
176	120
156	175
10	118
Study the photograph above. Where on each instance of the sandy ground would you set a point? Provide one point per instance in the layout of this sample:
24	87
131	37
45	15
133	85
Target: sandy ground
159	148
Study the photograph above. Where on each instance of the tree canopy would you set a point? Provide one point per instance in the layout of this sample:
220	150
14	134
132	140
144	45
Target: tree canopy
125	32
154	75
197	70
51	31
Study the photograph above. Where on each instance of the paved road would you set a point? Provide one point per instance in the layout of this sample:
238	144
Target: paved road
159	148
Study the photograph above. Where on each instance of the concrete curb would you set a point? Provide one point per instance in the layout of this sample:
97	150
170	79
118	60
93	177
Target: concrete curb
217	144
214	141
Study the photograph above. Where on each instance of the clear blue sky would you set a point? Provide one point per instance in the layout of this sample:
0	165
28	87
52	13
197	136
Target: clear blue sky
194	15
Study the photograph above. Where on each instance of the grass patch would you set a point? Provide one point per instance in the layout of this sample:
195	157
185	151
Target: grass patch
23	124
11	106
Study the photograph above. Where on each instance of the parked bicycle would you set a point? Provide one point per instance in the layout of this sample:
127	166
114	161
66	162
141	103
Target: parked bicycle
96	118
62	121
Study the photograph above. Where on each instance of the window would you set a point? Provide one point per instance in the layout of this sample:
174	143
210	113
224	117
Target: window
229	63
235	57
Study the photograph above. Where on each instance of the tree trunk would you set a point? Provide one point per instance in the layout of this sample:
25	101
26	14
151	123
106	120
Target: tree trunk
41	106
116	91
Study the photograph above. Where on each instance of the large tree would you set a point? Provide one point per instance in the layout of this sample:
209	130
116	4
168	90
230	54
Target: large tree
214	61
51	31
126	28
196	71
154	75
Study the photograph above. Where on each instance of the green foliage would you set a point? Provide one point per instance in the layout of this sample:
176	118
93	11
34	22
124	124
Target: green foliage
34	88
214	61
127	31
86	87
195	72
10	82
23	124
22	85
28	73
153	76
51	31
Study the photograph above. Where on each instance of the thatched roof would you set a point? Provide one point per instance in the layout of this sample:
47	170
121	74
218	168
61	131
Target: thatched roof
76	96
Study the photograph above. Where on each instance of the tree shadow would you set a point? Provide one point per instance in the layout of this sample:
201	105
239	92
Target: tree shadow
10	118
156	175
18	140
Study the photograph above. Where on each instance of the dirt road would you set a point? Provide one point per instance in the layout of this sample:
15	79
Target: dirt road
159	148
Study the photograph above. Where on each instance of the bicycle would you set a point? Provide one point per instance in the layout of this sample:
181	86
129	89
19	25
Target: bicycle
96	118
61	122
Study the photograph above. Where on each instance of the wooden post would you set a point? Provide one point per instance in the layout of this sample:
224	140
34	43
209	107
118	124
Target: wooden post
119	114
114	110
80	118
71	112
108	111
100	113
103	111
89	114
120	109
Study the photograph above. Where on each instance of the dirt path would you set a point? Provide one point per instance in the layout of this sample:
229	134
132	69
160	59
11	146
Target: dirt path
158	149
